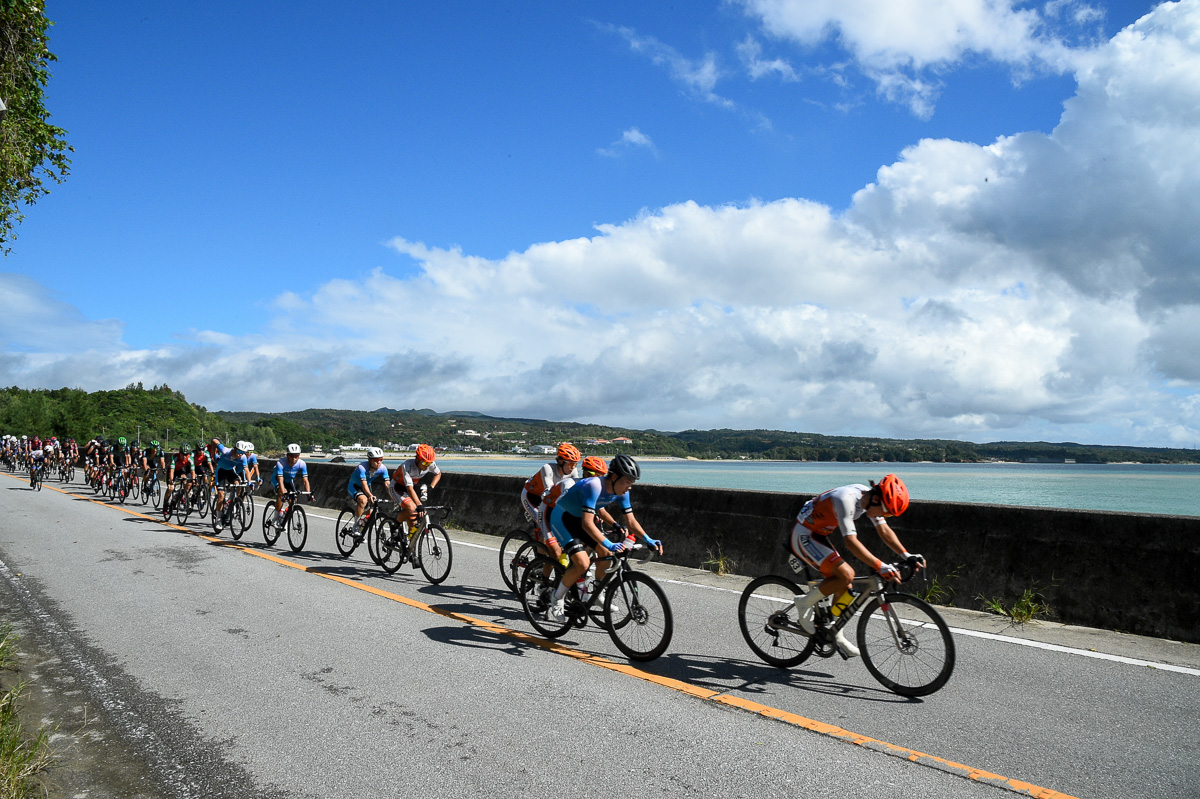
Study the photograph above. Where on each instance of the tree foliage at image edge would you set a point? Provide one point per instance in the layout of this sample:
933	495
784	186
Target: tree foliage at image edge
32	150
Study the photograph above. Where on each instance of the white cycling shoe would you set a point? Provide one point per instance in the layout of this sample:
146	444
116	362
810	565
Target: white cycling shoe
557	610
804	614
844	646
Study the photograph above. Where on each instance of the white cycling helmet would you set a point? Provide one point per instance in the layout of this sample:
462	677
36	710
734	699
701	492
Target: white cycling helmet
374	452
249	446
293	449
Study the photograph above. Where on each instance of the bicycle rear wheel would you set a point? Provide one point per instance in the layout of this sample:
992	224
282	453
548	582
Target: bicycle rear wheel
905	645
638	616
536	591
297	529
434	553
513	543
270	531
767	616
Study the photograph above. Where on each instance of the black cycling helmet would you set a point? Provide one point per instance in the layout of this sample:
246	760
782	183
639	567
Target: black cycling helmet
624	466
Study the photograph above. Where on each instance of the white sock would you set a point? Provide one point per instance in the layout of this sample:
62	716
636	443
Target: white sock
560	591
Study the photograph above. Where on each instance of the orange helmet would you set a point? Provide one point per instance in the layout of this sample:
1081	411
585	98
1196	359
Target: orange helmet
425	453
894	494
567	452
595	465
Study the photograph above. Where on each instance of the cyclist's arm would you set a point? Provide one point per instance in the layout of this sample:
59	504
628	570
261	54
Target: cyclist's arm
889	537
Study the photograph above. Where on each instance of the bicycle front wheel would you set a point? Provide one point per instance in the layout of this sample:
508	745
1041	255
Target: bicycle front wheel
521	560
297	529
536	590
434	553
156	493
247	503
905	644
343	534
638	617
512	543
270	531
767	616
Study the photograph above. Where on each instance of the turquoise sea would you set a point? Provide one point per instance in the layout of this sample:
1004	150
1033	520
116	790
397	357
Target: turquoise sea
1138	488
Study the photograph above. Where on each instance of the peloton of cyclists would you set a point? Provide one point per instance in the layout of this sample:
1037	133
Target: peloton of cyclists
837	509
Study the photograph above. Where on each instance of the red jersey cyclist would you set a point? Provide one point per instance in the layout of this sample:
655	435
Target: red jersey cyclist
838	509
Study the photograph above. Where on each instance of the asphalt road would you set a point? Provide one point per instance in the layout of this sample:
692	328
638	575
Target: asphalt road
227	673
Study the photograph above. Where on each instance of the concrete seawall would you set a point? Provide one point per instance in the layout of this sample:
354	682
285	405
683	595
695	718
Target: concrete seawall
1081	562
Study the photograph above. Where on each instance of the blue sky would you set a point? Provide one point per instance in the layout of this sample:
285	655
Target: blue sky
963	219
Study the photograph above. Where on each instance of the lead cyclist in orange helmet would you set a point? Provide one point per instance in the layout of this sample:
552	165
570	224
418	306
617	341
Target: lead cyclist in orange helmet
418	476
838	509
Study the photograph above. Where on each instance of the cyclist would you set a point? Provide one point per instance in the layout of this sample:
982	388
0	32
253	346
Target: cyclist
566	464
118	457
151	460
287	469
573	523
838	509
231	469
251	463
359	487
183	466
420	475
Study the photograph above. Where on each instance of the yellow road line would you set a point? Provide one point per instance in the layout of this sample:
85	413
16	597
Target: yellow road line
728	700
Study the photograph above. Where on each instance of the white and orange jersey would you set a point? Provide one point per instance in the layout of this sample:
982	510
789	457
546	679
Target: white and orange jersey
548	477
836	509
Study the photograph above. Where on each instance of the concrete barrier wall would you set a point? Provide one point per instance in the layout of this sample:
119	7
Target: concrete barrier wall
1119	571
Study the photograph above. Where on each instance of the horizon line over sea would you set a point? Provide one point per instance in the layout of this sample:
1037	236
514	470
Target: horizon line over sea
1171	489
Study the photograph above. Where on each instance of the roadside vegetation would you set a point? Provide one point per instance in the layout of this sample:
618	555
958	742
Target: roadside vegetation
23	757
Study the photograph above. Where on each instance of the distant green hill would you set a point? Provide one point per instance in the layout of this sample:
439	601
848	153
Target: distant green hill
165	414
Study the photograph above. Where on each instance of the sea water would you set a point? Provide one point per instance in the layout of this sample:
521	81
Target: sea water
1137	488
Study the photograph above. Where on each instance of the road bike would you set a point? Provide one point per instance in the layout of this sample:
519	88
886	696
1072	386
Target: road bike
422	543
293	519
904	642
636	611
37	476
150	488
232	513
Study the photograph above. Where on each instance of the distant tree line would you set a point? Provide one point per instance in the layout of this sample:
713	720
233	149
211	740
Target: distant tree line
164	414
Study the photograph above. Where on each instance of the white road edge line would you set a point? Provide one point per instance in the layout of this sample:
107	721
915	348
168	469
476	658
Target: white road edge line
1006	639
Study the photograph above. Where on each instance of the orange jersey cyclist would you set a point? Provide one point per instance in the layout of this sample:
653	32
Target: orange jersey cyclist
565	465
838	509
574	525
418	476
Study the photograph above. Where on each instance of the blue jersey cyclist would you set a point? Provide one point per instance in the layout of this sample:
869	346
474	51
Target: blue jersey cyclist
231	469
287	469
573	523
359	487
251	463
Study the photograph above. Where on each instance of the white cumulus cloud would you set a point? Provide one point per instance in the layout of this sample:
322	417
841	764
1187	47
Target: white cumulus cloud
1041	286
